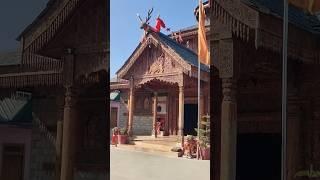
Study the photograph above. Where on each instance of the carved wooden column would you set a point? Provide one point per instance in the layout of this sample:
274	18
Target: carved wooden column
293	136
131	107
228	130
228	72
155	103
181	114
69	134
58	149
69	119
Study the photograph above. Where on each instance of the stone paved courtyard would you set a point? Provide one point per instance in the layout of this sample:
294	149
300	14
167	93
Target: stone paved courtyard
133	165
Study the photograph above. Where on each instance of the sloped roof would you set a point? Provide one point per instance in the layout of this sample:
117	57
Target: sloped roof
296	16
115	96
10	58
188	55
185	53
15	110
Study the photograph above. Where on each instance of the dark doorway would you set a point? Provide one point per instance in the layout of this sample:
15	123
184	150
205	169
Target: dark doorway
12	162
190	119
114	117
259	157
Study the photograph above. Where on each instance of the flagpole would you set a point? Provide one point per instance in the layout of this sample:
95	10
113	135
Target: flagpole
284	91
198	107
198	136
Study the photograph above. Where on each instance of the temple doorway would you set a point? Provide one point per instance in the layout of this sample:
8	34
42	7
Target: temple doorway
259	157
114	117
190	119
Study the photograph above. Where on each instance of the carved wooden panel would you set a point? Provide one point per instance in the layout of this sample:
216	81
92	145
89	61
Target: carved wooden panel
226	64
152	62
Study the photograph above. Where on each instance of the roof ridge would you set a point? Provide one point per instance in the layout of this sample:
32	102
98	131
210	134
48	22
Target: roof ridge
181	46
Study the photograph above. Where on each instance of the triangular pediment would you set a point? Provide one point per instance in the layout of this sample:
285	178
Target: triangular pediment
157	55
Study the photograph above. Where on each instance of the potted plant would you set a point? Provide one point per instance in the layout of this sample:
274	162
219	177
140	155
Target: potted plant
123	136
204	138
310	173
115	133
190	145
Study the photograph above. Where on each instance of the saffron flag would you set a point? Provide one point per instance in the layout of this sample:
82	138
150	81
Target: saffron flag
203	52
310	5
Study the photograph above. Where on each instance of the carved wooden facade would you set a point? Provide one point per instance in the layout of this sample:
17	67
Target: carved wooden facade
246	46
157	70
65	52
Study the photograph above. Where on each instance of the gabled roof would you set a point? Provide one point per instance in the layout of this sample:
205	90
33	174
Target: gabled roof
10	58
185	53
296	16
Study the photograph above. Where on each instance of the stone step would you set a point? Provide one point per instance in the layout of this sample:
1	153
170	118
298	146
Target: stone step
157	147
147	150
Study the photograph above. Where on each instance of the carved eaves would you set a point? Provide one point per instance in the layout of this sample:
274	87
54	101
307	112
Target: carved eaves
151	40
237	17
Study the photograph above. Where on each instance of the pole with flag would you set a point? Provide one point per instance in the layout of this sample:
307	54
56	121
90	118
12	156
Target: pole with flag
284	92
309	6
203	56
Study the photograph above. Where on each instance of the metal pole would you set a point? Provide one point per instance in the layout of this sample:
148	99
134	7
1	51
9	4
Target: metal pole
284	92
199	118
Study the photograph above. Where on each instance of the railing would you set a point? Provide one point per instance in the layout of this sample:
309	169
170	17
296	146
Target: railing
42	63
43	128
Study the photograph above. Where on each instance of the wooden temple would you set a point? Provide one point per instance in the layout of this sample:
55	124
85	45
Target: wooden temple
161	85
64	65
246	45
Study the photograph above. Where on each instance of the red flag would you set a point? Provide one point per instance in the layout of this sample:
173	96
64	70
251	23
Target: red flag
159	24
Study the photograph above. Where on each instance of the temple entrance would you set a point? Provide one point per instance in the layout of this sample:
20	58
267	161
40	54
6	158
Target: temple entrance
190	119
259	157
114	117
12	162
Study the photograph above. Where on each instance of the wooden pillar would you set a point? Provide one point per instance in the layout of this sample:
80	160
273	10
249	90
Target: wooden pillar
68	136
131	107
228	130
58	149
293	136
155	103
181	114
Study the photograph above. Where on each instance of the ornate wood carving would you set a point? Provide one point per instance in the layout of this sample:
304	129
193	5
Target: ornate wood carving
49	25
238	17
162	64
31	79
68	70
151	42
226	64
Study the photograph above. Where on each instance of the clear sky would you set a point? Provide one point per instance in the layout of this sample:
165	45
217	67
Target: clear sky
15	16
125	32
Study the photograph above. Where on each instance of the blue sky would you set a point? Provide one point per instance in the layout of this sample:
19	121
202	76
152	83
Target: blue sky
125	33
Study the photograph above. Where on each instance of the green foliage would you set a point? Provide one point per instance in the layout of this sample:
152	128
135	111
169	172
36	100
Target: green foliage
310	173
115	130
123	131
204	131
190	137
